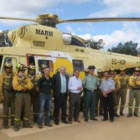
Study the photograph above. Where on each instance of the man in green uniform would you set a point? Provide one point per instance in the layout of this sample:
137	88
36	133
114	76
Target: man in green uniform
123	88
7	91
134	83
90	84
22	85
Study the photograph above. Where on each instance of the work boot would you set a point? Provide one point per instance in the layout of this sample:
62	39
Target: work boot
5	123
17	125
27	124
121	114
129	115
136	115
12	121
116	115
35	118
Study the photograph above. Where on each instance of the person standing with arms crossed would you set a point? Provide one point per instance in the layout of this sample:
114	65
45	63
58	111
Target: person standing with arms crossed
22	85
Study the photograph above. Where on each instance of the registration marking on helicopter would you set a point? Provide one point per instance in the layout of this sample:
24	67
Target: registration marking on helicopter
42	32
121	62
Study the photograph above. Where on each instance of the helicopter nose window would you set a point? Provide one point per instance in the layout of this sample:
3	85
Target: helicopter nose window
78	64
49	63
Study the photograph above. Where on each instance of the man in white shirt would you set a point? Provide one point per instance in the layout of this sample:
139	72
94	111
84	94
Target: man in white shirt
107	87
75	88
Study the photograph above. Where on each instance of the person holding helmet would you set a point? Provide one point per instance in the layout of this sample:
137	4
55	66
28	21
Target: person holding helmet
90	84
115	78
22	85
34	95
123	89
99	106
134	83
44	87
7	94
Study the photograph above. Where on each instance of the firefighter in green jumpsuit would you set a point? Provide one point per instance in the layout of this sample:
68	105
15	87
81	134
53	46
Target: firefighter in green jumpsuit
34	95
134	83
7	92
22	85
123	88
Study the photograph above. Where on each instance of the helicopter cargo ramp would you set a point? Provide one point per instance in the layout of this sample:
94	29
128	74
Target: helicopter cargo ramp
123	128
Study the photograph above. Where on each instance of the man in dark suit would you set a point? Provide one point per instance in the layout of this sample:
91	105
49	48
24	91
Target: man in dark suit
60	86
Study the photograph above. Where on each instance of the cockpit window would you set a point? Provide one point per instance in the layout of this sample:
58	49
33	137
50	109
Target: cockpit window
77	42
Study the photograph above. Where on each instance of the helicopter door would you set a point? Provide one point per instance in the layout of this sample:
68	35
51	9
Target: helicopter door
1	58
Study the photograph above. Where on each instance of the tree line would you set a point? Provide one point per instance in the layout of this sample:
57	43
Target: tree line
128	48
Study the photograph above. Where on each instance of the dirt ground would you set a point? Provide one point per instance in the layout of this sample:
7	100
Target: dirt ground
123	128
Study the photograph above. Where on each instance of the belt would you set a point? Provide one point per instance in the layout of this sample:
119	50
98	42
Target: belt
75	93
22	92
136	88
90	90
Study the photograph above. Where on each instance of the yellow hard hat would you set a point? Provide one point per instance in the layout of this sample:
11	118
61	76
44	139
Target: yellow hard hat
100	71
57	70
122	69
43	66
8	65
32	67
21	66
137	69
112	69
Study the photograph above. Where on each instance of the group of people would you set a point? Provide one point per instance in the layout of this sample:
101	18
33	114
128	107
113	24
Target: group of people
20	91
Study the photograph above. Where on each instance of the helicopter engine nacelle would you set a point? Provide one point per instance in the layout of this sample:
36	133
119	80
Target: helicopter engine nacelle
12	36
67	38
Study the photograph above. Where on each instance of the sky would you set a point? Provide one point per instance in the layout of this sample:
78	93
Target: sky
112	33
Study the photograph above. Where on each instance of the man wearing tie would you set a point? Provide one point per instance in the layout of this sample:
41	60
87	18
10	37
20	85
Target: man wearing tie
60	87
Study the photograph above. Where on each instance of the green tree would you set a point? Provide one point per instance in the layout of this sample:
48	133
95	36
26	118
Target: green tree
95	44
128	48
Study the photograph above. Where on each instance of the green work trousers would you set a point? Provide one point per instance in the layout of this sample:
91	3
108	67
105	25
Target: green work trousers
99	103
22	101
8	105
134	94
115	100
122	98
89	104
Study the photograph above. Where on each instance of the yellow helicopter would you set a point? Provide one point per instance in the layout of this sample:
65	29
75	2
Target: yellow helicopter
43	43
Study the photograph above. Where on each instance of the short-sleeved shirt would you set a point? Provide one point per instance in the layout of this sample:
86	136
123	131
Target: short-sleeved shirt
45	85
91	82
107	84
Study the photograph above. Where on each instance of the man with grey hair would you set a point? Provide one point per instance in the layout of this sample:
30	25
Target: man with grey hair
60	87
